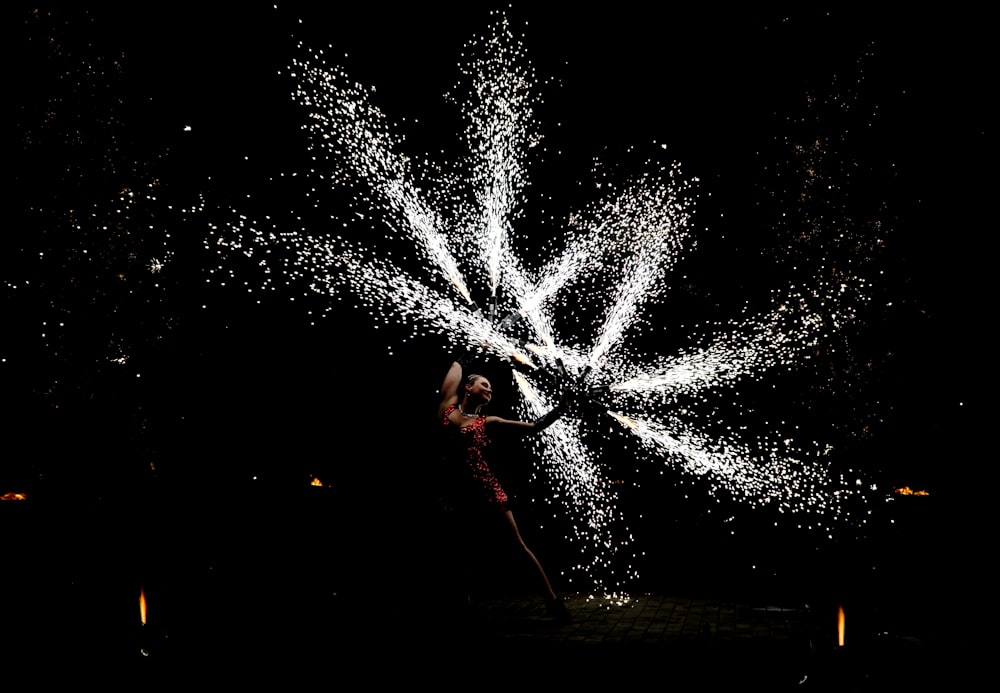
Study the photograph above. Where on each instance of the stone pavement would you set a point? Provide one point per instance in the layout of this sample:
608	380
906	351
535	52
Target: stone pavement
649	640
250	598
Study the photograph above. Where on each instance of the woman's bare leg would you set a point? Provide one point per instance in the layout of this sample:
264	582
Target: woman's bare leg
547	590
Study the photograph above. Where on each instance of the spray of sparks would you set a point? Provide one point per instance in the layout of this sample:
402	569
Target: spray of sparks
440	255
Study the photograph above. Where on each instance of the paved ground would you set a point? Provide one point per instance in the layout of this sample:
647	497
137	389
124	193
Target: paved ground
409	639
651	641
662	641
233	602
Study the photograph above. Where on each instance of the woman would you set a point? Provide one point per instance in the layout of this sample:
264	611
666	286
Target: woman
472	486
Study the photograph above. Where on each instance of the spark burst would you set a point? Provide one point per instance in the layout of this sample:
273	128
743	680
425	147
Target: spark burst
566	311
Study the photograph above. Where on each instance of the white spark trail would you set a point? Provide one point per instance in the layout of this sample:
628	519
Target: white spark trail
571	470
366	148
655	245
758	478
499	122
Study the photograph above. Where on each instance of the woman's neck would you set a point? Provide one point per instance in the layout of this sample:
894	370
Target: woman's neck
467	409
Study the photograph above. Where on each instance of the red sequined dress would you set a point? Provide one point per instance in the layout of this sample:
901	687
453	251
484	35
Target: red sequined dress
469	478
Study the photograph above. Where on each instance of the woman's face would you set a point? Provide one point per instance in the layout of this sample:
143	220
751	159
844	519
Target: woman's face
480	389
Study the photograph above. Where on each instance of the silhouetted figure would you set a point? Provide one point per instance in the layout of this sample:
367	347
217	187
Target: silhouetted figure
472	494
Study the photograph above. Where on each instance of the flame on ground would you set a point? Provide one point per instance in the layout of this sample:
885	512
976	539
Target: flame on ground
907	491
840	625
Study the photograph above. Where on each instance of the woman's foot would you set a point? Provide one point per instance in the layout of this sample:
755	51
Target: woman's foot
557	610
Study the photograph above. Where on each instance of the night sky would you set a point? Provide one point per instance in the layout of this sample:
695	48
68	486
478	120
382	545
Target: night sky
124	383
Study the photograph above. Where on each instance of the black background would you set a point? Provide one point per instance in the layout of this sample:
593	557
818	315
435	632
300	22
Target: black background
192	460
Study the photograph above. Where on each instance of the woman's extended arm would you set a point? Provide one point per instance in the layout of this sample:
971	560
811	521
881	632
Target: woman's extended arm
542	422
536	426
546	420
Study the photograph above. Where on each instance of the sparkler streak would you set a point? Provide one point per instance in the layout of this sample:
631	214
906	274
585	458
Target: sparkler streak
366	145
499	121
758	478
749	347
572	470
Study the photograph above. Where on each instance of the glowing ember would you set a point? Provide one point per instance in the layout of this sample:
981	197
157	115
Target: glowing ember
14	496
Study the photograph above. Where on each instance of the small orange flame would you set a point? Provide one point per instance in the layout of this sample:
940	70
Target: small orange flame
840	625
142	605
907	491
13	496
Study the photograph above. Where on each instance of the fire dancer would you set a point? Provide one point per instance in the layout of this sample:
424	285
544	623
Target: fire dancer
471	491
